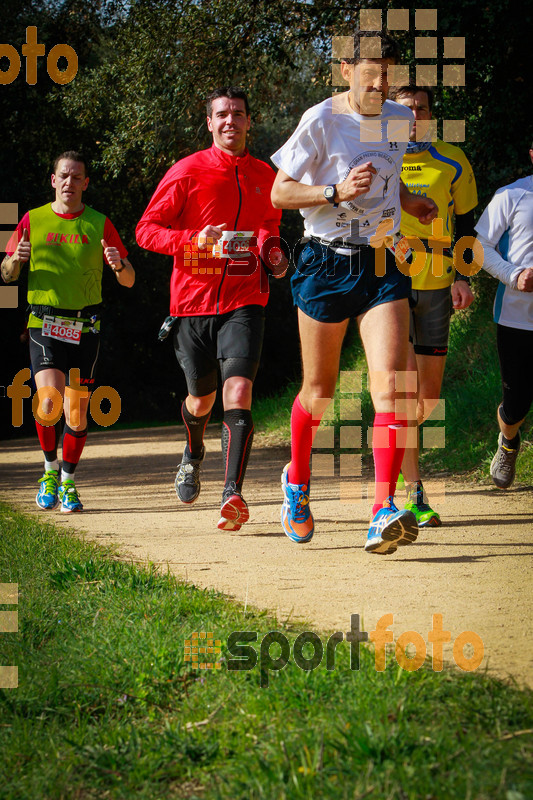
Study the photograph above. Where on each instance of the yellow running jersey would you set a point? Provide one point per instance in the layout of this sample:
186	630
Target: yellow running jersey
444	174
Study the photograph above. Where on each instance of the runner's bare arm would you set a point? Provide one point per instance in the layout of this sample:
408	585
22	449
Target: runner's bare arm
121	266
11	265
462	295
10	269
423	208
288	193
126	277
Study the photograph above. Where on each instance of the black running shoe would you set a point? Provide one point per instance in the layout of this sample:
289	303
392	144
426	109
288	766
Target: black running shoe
187	483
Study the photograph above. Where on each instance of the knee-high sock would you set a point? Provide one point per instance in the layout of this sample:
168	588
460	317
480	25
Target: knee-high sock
195	428
49	439
303	429
237	438
388	446
73	444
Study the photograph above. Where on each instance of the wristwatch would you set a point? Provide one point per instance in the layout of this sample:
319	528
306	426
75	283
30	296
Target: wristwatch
329	194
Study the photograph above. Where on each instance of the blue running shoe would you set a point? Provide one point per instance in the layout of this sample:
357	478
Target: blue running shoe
296	517
68	494
391	528
47	498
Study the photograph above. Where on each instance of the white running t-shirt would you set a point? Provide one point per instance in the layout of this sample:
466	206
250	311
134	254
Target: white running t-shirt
505	229
330	140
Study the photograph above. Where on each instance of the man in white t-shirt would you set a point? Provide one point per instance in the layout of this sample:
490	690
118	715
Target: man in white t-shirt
505	229
342	168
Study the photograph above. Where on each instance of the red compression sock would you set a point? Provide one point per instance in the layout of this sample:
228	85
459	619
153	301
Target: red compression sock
303	429
48	439
73	444
388	446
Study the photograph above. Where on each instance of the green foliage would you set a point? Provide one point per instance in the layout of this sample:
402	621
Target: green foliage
137	105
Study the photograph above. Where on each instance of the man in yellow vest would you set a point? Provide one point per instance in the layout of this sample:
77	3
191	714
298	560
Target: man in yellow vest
441	171
64	243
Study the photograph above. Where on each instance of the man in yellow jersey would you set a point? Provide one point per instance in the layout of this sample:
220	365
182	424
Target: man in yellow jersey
65	243
441	171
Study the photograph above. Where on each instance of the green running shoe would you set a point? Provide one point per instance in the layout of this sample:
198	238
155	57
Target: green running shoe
47	498
69	497
425	516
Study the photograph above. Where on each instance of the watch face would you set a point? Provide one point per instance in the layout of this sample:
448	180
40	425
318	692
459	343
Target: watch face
329	192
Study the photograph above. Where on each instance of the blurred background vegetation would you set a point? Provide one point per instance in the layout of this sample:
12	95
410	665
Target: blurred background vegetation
137	104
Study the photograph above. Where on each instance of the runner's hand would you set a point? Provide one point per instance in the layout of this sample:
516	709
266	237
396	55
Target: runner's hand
277	262
112	255
462	295
525	280
425	209
210	235
357	183
23	251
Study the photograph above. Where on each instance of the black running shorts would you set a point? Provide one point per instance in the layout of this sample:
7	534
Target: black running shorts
233	340
48	353
429	326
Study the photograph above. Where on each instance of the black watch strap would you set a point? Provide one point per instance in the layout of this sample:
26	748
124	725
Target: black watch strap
330	195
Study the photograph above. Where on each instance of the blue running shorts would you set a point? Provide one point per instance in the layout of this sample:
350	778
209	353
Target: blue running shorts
331	287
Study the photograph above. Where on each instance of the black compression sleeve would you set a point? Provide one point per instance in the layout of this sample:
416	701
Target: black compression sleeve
464	225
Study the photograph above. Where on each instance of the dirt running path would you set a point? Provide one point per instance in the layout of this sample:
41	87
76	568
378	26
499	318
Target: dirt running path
475	570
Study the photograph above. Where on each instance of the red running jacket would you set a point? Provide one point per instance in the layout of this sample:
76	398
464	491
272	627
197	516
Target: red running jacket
209	188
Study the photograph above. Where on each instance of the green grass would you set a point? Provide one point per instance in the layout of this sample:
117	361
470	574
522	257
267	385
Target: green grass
107	707
272	415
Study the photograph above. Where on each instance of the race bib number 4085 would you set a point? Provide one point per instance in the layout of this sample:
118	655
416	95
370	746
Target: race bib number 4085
64	330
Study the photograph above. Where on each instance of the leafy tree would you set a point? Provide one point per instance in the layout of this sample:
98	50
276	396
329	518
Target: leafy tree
137	105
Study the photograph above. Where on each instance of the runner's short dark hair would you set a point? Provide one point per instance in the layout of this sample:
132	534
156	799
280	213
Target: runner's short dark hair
409	90
232	93
72	155
389	46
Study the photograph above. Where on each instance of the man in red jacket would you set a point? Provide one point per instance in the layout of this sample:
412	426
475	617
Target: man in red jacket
212	213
